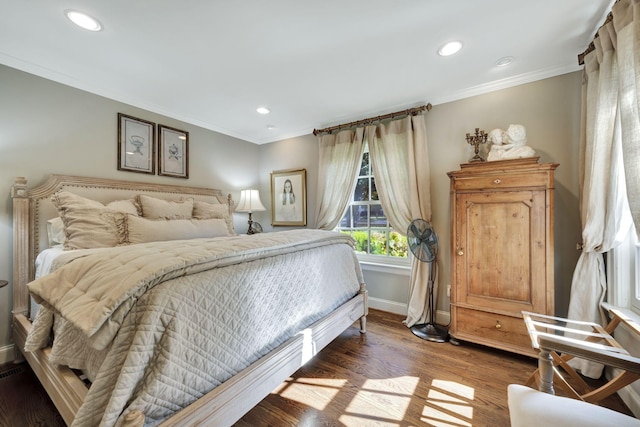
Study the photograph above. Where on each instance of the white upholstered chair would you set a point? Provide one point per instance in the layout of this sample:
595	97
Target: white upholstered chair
532	408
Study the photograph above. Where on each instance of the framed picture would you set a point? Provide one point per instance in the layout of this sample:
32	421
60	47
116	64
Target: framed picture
173	152
289	197
136	145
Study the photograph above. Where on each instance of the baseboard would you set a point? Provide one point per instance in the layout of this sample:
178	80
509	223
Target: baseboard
631	398
386	305
7	354
442	317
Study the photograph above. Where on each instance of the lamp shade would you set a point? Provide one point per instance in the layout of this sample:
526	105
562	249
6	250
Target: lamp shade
250	201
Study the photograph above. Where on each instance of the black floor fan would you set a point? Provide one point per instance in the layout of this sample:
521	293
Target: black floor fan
423	242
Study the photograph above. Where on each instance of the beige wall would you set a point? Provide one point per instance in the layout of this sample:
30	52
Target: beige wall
47	128
550	111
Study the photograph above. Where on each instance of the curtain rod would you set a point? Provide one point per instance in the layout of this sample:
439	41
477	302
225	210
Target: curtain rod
410	111
592	46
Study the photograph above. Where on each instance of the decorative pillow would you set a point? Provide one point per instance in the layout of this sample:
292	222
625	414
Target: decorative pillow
203	210
89	223
125	206
142	230
153	208
55	231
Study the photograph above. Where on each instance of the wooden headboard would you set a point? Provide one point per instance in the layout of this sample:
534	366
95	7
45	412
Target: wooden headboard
32	208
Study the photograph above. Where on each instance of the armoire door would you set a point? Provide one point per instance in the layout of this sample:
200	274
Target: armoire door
501	250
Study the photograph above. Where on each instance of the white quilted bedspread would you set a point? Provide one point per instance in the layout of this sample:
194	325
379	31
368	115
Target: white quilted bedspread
165	323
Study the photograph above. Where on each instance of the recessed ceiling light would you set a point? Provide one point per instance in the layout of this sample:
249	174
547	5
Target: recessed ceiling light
504	61
271	127
83	20
263	110
450	48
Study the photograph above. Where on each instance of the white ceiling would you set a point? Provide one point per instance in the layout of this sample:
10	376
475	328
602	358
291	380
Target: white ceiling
313	63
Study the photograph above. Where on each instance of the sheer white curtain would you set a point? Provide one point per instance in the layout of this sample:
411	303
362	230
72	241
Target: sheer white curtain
338	166
626	22
603	203
400	161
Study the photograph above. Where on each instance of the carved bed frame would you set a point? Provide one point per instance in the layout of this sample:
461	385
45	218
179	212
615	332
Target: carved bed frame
225	404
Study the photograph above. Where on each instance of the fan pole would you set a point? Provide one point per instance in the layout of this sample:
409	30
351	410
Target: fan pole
431	331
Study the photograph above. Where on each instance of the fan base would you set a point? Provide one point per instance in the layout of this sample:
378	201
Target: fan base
431	332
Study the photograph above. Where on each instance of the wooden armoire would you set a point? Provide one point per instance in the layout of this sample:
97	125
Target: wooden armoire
501	250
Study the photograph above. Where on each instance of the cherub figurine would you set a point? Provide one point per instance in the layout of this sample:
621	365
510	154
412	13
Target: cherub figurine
509	144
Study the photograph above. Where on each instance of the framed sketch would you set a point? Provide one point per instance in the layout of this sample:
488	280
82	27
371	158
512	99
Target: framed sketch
173	152
136	145
289	197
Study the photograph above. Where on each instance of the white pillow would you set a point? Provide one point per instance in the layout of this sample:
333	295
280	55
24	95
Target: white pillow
204	210
55	231
90	224
142	230
153	208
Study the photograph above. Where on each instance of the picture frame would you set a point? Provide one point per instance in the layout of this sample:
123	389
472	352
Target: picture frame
136	144
289	208
173	152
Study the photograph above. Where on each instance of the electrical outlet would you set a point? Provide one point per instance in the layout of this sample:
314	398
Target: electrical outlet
449	290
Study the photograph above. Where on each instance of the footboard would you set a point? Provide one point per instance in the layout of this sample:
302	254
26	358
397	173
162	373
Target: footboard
66	390
227	403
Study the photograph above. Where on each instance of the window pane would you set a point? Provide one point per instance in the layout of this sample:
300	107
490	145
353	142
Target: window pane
345	222
398	245
362	240
361	216
378	242
377	216
361	193
364	166
374	190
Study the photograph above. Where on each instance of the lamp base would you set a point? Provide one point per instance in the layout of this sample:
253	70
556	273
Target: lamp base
431	332
250	222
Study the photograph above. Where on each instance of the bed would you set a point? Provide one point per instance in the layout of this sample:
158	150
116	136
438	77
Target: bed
214	375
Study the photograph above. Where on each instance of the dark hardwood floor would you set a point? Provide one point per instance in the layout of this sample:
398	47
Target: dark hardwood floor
387	377
23	401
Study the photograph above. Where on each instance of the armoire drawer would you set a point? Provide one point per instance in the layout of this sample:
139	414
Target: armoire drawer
501	181
498	330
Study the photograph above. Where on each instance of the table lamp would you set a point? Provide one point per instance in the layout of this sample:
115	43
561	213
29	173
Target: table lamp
250	202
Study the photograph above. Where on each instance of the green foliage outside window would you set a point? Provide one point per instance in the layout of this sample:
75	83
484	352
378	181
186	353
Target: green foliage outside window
397	244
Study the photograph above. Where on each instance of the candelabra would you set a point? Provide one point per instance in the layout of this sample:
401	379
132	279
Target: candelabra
479	138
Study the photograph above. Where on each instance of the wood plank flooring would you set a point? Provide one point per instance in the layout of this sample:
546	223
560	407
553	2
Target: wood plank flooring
23	401
387	377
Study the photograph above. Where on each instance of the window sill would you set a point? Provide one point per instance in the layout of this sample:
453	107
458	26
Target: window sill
625	310
381	267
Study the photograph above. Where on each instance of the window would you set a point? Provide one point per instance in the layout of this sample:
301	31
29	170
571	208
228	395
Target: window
624	273
635	253
366	222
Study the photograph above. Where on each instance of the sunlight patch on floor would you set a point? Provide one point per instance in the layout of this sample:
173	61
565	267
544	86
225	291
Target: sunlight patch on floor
449	404
314	392
384	400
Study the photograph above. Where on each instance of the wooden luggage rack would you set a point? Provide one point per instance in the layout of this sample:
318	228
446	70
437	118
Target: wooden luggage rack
555	339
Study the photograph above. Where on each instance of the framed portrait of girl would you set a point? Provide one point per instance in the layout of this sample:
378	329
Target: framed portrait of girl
289	197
